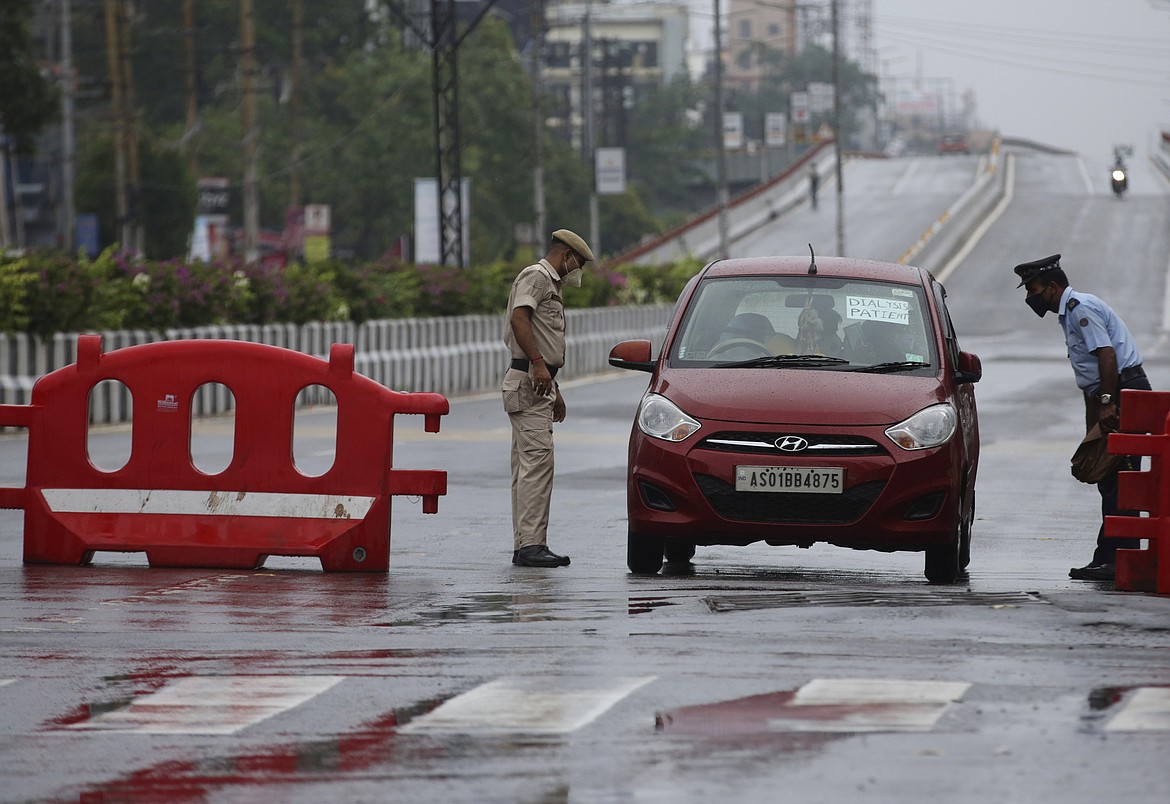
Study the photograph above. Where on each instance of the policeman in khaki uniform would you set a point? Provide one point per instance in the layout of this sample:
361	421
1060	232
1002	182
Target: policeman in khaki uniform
535	334
1105	359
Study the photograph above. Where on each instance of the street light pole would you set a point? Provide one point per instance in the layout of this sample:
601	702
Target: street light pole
68	145
588	143
837	133
720	151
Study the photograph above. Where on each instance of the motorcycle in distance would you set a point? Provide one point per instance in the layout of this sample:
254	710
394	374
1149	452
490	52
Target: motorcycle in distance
1120	179
1120	175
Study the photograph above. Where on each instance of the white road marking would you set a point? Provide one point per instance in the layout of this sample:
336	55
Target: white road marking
900	185
1148	709
524	705
4	682
213	503
1090	188
1009	191
868	705
210	704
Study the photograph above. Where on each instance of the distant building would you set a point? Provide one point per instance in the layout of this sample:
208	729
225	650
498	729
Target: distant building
756	31
635	49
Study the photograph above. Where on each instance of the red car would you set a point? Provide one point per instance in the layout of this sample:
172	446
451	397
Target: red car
797	402
953	144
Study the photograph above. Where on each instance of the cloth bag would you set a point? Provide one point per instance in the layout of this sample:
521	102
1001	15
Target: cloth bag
1091	463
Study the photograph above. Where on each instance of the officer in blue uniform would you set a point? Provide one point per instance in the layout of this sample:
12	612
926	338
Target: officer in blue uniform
1105	360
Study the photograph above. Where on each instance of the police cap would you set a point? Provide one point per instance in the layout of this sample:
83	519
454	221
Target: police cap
575	242
1027	271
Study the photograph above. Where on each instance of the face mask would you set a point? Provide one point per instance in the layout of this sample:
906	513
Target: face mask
573	277
1038	304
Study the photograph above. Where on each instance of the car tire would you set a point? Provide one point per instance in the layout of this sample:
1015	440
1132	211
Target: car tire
965	546
945	562
678	552
643	553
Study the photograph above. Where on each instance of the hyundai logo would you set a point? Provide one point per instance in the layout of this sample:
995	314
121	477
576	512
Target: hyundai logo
791	444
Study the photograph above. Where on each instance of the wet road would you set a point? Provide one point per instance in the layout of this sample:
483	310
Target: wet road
766	674
889	204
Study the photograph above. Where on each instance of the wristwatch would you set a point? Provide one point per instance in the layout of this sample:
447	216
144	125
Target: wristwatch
1105	399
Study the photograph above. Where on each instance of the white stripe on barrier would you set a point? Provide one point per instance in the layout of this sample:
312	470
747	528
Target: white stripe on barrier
210	705
524	706
213	503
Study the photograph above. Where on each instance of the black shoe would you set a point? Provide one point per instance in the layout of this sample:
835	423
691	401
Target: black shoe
1093	572
538	555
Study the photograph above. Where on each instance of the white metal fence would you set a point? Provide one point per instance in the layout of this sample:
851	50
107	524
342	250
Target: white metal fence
451	356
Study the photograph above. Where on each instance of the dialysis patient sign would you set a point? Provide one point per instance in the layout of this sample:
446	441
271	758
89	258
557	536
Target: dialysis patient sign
872	308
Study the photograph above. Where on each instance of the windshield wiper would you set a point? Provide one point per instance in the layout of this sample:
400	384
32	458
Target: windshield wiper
785	361
898	365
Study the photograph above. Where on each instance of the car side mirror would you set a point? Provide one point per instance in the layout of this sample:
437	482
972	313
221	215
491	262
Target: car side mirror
632	355
970	368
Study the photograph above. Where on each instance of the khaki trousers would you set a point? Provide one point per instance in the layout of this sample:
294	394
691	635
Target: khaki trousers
532	458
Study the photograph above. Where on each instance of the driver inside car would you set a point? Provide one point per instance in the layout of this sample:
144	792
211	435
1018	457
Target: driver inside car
744	330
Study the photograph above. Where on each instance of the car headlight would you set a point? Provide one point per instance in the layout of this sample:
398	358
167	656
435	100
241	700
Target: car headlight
661	418
927	428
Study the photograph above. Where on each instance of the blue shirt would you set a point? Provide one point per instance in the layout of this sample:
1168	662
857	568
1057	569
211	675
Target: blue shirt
1088	325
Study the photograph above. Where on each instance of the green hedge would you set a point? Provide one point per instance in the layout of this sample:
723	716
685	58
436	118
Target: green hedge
44	292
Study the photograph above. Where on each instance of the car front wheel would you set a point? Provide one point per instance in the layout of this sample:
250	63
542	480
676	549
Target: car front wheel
945	562
678	552
643	553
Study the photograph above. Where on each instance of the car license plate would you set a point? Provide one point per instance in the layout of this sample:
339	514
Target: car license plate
806	479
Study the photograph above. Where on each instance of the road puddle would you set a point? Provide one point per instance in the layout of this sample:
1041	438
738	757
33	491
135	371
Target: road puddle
504	608
755	601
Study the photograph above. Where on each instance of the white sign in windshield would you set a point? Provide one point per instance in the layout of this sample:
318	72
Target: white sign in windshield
872	308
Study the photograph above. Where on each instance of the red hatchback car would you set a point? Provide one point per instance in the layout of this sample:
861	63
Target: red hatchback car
796	402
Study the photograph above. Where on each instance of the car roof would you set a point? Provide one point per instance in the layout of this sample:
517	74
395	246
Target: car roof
841	267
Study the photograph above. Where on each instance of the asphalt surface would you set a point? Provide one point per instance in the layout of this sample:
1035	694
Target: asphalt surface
761	674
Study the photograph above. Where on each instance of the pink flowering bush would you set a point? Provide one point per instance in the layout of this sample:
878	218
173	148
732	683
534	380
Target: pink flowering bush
45	292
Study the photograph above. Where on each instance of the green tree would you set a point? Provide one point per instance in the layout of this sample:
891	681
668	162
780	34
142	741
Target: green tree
28	101
665	146
168	192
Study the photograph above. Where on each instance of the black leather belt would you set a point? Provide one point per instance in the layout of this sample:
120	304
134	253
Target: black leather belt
1131	373
521	364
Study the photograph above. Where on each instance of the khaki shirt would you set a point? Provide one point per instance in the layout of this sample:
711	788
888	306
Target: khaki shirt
538	287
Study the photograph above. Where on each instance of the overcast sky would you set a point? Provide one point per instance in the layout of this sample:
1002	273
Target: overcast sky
1079	74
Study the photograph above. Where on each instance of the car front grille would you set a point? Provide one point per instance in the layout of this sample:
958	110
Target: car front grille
821	445
789	507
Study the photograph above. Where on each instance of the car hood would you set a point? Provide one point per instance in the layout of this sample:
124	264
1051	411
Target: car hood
798	396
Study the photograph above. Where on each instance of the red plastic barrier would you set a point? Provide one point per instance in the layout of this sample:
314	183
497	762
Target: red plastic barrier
1146	426
260	505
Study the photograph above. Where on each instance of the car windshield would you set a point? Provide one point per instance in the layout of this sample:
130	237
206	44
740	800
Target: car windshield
807	322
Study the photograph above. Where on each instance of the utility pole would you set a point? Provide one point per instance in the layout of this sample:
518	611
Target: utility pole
294	104
443	41
720	151
114	62
68	145
588	145
5	236
837	133
449	155
130	143
251	134
538	121
192	84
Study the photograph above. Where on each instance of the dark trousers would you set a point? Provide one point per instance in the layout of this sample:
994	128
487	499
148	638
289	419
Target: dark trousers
1107	548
